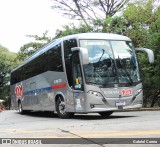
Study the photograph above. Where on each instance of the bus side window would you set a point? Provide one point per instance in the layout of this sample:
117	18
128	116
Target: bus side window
54	59
17	76
77	73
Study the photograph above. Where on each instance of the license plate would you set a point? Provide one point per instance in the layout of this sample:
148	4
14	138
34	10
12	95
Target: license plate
120	103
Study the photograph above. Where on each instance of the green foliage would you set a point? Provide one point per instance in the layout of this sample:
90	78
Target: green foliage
140	16
145	32
115	24
71	29
28	49
7	63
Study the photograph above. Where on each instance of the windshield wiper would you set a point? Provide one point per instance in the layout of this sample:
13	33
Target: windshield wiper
101	56
126	72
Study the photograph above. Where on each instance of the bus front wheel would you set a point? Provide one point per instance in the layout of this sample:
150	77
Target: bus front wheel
106	114
61	109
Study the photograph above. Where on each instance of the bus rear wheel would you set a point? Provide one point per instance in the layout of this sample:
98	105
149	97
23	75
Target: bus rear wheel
106	114
20	108
61	109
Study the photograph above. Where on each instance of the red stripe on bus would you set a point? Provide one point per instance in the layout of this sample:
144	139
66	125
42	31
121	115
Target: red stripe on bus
59	86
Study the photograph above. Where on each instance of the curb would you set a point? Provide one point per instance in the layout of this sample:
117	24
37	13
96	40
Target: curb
140	109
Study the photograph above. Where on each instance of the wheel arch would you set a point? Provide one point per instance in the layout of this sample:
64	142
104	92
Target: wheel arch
59	94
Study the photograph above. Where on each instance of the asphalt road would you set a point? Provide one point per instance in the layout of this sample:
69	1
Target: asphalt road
133	124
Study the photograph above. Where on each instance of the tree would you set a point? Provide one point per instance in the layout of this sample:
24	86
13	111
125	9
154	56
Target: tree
117	24
89	11
144	19
7	63
71	29
28	49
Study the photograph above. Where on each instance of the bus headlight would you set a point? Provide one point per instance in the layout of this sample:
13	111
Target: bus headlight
97	94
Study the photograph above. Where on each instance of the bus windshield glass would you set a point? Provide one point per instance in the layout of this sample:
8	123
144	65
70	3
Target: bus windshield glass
110	62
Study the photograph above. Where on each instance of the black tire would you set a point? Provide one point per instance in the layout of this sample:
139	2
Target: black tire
61	109
20	108
106	114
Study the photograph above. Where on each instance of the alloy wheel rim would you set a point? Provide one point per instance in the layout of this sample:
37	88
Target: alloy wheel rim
62	108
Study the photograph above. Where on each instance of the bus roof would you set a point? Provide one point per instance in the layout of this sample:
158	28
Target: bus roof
107	36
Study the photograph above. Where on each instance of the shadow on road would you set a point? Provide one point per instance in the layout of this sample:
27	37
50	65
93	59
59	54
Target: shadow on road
92	116
96	117
45	114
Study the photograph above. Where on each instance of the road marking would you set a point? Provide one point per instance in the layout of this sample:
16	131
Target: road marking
26	131
115	134
85	133
124	133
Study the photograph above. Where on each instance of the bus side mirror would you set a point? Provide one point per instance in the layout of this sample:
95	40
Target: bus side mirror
83	54
149	53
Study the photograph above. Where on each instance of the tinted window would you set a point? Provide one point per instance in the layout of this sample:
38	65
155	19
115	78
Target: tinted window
35	67
68	44
48	61
55	59
16	76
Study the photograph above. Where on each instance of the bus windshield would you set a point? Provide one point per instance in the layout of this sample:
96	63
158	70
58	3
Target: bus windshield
110	62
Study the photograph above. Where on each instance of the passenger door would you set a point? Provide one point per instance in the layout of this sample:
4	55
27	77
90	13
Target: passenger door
78	84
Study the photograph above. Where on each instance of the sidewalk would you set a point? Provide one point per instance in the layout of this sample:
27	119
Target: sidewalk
2	116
